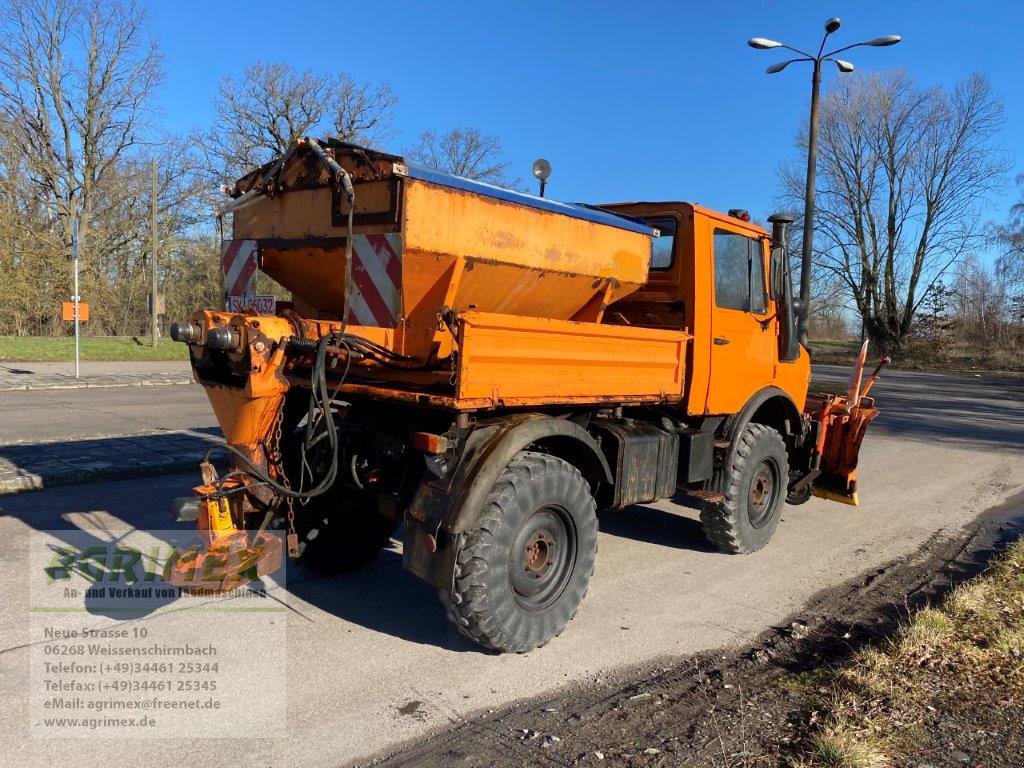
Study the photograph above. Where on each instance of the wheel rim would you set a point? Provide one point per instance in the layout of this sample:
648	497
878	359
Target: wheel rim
543	558
763	494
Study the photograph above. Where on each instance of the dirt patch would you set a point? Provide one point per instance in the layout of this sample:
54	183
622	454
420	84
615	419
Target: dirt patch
748	707
413	709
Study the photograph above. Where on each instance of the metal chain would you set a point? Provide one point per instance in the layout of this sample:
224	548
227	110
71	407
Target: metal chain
278	460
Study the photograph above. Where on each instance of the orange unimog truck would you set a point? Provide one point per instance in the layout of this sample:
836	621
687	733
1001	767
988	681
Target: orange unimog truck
486	369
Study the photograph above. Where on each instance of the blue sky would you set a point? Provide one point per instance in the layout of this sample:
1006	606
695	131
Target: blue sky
637	100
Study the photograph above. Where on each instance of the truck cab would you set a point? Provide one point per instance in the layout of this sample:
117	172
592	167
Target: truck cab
711	275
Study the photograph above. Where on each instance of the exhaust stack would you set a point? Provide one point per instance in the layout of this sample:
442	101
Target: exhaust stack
781	223
791	309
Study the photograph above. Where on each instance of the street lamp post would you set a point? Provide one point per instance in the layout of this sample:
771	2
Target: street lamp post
762	43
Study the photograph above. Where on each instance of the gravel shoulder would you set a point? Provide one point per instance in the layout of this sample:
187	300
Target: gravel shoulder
744	707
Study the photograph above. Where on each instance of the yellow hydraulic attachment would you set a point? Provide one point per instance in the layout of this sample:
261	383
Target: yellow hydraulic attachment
225	557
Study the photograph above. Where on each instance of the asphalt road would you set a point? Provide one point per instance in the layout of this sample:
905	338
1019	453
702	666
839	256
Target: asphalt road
372	661
43	415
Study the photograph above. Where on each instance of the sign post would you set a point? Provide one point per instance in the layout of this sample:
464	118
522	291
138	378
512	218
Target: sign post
75	298
154	322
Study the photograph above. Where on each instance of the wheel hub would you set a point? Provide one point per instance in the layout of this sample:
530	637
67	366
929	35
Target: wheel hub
762	487
542	558
538	554
762	494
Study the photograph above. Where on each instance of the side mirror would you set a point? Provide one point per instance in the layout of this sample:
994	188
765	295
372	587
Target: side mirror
777	273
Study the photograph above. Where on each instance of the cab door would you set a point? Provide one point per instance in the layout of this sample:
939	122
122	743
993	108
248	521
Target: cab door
743	342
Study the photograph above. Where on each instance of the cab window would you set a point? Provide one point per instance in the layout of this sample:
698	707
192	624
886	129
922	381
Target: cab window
663	247
739	272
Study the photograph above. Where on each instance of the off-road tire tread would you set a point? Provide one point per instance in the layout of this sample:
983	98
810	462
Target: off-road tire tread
721	519
506	629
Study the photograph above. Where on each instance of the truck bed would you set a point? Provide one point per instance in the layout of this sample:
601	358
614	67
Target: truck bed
510	361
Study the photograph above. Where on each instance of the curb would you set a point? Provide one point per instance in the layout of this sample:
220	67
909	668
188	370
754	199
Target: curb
30	481
84	384
37	466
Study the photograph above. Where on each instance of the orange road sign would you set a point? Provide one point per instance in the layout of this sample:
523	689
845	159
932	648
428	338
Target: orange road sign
67	311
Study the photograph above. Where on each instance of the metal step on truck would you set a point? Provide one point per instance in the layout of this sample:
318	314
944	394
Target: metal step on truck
485	370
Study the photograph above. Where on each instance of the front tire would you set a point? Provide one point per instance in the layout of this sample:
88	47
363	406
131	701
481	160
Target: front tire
523	570
753	486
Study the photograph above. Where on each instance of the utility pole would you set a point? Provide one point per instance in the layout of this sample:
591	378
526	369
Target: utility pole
152	230
807	249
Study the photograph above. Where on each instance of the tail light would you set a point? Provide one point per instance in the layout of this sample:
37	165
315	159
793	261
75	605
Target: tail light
428	443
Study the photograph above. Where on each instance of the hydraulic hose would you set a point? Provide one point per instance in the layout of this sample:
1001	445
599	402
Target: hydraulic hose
319	403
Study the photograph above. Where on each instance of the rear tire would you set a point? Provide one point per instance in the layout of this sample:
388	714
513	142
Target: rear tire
523	570
341	532
754	486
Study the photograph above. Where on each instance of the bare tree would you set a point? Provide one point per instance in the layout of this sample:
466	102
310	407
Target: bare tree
1010	237
264	113
272	106
903	174
76	81
463	152
33	277
363	112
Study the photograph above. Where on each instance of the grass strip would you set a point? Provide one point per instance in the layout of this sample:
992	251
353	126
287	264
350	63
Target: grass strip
948	662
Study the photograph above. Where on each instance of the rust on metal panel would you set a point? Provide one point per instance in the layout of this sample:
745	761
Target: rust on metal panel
703	494
463	248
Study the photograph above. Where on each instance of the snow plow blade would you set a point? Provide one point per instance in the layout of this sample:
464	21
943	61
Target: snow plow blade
842	423
841	432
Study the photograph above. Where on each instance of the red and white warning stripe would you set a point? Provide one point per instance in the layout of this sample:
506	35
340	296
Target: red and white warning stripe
376	292
238	261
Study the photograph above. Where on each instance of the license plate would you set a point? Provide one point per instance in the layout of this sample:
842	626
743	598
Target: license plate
263	305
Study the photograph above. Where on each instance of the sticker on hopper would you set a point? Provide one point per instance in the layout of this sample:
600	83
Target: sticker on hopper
239	260
375	297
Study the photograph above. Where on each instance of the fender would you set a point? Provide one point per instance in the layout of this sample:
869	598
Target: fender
478	473
782	409
786	410
441	511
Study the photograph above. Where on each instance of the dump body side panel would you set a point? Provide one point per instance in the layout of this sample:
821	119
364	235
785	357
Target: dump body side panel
520	360
677	293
